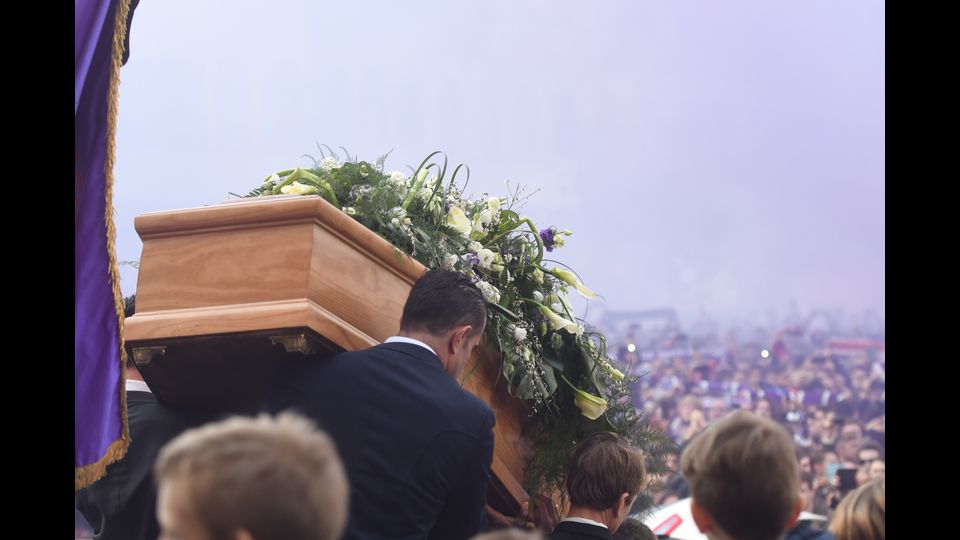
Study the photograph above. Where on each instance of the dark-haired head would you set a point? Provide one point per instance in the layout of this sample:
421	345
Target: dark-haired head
441	300
446	311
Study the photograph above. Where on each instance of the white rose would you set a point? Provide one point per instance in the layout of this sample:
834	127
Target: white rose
486	257
485	217
538	296
519	334
475	246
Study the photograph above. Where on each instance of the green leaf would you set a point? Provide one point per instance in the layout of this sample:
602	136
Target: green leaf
504	311
550	380
553	362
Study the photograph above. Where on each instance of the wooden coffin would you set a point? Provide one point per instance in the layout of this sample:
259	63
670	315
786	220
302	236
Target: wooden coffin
227	293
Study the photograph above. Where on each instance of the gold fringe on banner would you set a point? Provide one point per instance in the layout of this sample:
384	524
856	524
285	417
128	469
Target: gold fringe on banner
88	474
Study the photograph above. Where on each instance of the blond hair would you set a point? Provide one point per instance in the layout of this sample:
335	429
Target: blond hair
742	470
278	478
860	515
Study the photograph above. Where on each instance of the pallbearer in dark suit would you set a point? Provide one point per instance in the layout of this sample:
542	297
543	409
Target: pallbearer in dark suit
122	504
603	481
417	447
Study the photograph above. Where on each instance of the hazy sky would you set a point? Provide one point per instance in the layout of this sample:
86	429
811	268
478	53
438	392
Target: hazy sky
724	156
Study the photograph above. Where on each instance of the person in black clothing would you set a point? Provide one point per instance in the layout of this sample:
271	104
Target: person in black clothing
416	446
603	481
122	504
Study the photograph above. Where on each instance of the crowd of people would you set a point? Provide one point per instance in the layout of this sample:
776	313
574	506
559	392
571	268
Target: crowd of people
829	397
410	457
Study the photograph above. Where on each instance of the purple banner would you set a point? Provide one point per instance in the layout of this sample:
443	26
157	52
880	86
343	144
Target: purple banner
97	364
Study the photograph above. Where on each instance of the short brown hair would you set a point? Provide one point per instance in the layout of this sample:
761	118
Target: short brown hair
861	514
604	467
742	470
278	478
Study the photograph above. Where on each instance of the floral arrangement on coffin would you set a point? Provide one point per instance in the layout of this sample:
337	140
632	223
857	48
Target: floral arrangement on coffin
548	356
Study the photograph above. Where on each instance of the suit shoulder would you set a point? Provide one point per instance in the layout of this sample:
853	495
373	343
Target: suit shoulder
468	406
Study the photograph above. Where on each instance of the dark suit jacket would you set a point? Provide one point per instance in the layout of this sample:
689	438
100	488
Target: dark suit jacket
571	530
416	446
122	504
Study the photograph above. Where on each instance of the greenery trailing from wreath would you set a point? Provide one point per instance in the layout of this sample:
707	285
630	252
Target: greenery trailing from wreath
549	357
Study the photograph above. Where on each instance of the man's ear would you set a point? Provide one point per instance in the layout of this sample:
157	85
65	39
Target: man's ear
623	505
796	513
701	517
458	337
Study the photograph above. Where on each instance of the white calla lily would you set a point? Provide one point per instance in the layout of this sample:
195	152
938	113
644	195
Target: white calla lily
558	322
569	278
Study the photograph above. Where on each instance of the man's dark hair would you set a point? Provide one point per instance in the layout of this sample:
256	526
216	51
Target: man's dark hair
604	467
441	300
129	306
633	529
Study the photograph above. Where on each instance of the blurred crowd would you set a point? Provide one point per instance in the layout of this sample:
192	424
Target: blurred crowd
827	390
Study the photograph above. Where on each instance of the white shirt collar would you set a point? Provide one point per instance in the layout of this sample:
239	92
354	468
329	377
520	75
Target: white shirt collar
404	339
585	520
137	386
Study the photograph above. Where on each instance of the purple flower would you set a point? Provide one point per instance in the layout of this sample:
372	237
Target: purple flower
547	236
471	258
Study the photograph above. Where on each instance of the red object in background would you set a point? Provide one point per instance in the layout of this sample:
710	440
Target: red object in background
668	526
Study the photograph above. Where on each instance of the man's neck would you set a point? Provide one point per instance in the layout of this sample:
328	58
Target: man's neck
133	374
600	516
430	340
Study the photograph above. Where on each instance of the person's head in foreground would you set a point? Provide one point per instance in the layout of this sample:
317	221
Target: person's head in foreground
604	479
261	478
860	515
743	479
